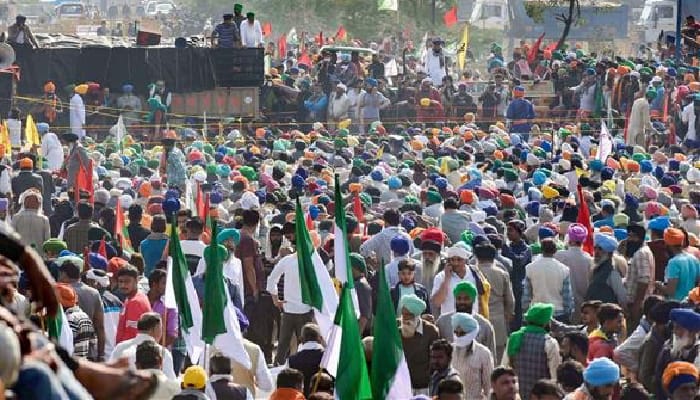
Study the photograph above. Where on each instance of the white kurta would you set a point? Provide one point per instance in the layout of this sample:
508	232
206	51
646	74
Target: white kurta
52	150
77	116
433	68
639	121
251	35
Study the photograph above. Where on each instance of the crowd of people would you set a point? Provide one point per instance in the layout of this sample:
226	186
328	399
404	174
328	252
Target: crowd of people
529	250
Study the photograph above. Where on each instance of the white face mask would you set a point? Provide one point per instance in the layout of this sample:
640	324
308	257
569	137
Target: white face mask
466	340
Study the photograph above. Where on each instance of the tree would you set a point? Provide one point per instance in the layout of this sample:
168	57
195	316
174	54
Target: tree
569	19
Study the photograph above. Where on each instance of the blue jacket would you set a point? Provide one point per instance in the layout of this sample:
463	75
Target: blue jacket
520	109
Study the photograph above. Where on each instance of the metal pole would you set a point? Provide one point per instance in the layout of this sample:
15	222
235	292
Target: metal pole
434	12
679	21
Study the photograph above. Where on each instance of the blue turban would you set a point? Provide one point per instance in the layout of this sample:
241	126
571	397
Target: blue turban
216	197
128	88
171	205
394	183
686	318
464	321
441	183
42	127
314	211
545	232
658	172
605	242
229	233
645	166
172	193
538	178
631	201
371	82
400	245
601	372
377	175
97	261
412	304
671	72
674	165
667	180
546	146
298	181
491	211
533	208
607	173
408	223
302	172
659	223
515	139
620	234
590	71
595	165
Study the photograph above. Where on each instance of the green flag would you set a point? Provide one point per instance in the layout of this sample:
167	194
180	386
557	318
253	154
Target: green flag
215	302
310	289
390	376
180	274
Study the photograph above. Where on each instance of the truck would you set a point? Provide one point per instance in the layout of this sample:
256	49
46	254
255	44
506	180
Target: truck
660	16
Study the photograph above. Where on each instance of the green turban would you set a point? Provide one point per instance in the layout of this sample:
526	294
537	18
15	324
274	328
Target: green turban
211	169
54	245
646	71
358	262
651	94
409	163
208	148
539	314
410	200
510	175
452	164
412	304
366	199
433	197
249	173
537	317
237	8
467	288
229	233
223	253
430	162
638	157
152	164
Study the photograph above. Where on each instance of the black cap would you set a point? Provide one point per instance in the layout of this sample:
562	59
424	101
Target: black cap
228	16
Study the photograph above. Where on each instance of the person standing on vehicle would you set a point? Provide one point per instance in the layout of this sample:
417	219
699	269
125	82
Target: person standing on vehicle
226	33
19	34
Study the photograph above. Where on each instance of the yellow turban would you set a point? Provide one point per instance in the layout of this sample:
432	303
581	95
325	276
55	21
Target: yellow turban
549	192
81	89
424	102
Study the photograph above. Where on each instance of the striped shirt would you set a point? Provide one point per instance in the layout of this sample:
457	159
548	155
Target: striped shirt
474	364
84	337
640	270
228	35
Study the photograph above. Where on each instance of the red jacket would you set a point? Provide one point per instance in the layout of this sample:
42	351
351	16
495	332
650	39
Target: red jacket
600	346
133	309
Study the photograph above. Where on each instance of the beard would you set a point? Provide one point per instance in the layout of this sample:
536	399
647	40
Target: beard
632	248
464	308
678	344
430	267
600	259
408	328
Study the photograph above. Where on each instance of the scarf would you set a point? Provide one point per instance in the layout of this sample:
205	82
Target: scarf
516	338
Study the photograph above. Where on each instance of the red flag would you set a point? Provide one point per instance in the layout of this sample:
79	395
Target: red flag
552	46
532	54
102	250
357	209
267	29
83	181
120	228
309	222
342	34
304	59
319	39
282	46
199	202
450	17
584	218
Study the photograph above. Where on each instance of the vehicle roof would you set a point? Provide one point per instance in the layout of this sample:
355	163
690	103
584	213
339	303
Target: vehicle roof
347	49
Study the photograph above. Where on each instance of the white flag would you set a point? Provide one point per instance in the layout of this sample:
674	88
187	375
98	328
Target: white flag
606	144
388	5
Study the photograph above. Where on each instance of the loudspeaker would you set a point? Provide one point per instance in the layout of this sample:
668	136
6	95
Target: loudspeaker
146	38
238	67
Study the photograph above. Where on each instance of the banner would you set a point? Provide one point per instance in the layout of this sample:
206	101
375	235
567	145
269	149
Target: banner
388	5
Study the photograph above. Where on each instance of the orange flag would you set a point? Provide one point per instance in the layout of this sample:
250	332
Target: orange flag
450	17
267	29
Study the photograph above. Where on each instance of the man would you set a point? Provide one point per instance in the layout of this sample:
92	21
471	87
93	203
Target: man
534	354
102	30
417	335
51	148
472	359
89	299
407	284
130	105
308	358
682	346
450	390
135	305
77	111
653	343
456	271
574	346
400	248
520	113
640	272
501	300
441	365
546	390
380	243
295	314
76	235
639	120
547	281
657	226
137	233
432	240
194	382
600	379
233	271
76	160
112	306
627	354
605	283
251	32
30	222
289	385
454	221
149	357
152	247
238	14
518	251
10	297
364	291
257	376
227	34
26	179
221	383
602	341
156	290
19	34
570	375
504	383
338	105
149	327
683	269
680	380
84	337
465	294
192	246
199	279
434	63
579	263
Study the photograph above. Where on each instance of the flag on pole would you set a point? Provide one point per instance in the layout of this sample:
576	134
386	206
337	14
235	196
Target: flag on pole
357	208
341	252
31	134
5	139
267	29
83	181
342	34
532	53
462	49
282	46
59	330
317	289
120	228
345	356
102	249
388	5
390	376
380	152
181	295
220	326
606	143
584	218
292	37
319	39
450	17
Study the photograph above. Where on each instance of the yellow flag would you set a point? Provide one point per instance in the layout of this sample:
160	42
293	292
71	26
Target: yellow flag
380	152
5	139
31	134
444	168
462	48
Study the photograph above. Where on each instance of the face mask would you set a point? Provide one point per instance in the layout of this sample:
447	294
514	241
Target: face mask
467	339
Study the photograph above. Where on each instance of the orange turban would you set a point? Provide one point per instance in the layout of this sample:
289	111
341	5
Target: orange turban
507	201
674	237
66	295
415	232
606	229
355	187
678	373
466	196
